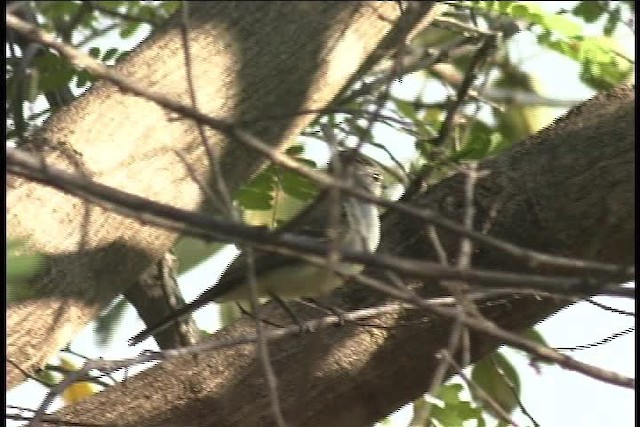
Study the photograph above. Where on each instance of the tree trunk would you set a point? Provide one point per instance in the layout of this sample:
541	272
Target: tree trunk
251	61
567	190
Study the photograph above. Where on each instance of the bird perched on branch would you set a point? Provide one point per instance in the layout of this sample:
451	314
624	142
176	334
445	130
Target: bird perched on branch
356	228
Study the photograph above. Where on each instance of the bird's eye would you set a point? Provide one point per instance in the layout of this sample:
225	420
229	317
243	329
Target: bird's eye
377	177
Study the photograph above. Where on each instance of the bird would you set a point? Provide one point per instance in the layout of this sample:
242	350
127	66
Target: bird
284	277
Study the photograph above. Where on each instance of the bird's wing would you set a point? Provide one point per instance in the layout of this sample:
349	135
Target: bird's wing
309	229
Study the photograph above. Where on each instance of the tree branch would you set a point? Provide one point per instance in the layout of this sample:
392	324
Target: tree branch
94	255
584	164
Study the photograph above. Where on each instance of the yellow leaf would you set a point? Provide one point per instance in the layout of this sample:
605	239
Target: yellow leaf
79	389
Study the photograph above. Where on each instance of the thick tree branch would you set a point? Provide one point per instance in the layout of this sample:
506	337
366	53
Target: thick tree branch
569	191
128	142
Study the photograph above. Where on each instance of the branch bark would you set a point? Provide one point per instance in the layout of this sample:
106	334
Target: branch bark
249	60
568	190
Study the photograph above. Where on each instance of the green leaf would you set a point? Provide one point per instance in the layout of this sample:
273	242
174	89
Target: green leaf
476	149
505	6
612	22
455	410
295	150
264	181
590	11
169	7
191	251
94	52
519	11
482	143
33	83
424	148
83	78
110	54
535	336
534	14
128	29
22	264
497	377
297	186
122	55
407	109
497	144
292	183
112	5
259	193
55	72
254	200
48	376
600	67
107	323
57	11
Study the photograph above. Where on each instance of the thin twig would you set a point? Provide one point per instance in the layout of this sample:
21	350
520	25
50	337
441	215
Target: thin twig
313	325
438	247
536	349
515	393
440	373
427	58
208	227
482	395
599	342
211	149
481	54
610	309
261	340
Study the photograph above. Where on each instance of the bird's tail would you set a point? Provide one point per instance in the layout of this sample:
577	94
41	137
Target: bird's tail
169	320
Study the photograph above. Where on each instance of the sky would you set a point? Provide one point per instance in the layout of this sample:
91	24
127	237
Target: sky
555	397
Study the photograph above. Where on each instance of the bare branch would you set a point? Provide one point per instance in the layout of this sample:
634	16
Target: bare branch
207	227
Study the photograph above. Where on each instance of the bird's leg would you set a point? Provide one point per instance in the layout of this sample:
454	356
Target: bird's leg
289	311
339	313
251	315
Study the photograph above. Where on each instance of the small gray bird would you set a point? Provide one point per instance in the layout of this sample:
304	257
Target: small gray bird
288	277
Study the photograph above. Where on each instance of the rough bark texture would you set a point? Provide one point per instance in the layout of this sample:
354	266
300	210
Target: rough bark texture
156	295
567	190
251	60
